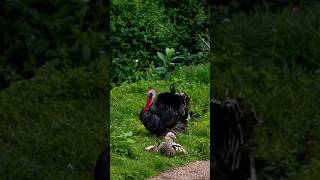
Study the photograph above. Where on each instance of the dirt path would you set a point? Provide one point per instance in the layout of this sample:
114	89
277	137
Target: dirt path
197	170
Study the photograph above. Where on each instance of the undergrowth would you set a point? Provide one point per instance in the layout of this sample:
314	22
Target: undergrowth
53	127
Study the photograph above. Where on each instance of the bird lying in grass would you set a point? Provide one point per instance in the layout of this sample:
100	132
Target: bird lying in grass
168	147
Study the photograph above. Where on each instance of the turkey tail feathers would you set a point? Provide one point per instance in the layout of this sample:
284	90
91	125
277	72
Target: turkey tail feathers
231	128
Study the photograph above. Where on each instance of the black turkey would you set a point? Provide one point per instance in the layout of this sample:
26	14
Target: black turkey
232	147
169	112
230	131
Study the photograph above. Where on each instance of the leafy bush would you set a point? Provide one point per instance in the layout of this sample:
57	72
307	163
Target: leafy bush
35	32
190	18
52	127
286	39
167	63
140	29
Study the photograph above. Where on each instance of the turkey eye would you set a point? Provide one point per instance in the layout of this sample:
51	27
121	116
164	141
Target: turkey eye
150	95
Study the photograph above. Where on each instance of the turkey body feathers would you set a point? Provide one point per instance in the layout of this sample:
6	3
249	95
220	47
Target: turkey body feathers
152	123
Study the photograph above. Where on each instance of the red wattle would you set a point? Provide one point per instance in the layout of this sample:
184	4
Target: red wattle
148	104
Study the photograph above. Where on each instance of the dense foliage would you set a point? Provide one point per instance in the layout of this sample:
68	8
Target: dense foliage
53	127
250	6
273	60
286	39
72	34
64	34
140	29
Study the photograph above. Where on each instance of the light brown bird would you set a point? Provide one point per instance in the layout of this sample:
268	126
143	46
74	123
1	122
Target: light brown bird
168	147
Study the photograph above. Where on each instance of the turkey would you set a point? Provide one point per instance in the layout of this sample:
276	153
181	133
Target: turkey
231	128
169	112
232	147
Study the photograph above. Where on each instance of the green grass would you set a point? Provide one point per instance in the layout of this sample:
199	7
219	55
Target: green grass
129	137
272	59
52	127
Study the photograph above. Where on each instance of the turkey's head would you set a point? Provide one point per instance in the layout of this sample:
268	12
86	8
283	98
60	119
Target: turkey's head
150	97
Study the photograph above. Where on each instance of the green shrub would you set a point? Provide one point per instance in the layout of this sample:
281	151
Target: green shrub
285	39
140	29
69	33
190	18
53	126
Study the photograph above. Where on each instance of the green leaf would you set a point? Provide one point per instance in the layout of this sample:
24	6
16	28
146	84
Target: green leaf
128	134
170	52
130	141
162	69
179	57
162	57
